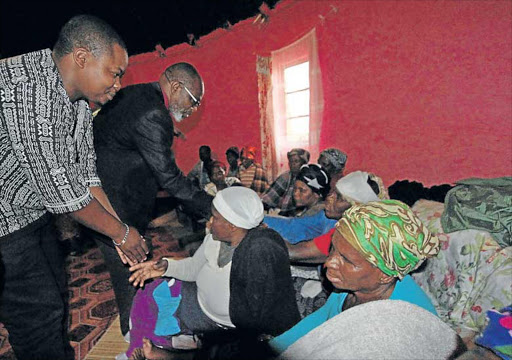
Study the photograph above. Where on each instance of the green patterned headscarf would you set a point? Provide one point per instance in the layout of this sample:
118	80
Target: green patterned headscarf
389	235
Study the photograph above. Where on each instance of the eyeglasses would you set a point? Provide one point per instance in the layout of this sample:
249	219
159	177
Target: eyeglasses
195	102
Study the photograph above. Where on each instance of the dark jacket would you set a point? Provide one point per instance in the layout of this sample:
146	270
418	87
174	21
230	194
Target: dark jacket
133	135
262	296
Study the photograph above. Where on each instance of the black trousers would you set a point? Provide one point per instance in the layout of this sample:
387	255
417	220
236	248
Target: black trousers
119	275
33	293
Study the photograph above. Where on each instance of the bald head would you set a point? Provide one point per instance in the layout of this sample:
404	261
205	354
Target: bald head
186	74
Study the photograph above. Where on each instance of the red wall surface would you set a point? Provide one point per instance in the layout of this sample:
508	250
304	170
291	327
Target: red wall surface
417	90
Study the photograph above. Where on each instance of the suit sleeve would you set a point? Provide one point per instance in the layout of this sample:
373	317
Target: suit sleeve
153	137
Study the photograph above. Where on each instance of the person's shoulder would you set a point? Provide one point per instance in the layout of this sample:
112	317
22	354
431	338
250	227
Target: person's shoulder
263	237
35	66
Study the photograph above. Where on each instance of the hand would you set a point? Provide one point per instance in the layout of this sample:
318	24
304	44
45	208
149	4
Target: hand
135	247
148	270
123	257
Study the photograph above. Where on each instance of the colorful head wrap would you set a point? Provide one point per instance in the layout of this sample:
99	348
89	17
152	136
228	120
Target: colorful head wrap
389	235
355	188
314	177
249	152
240	206
301	153
336	157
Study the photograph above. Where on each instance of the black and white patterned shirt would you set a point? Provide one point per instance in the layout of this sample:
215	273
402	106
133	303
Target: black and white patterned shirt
47	158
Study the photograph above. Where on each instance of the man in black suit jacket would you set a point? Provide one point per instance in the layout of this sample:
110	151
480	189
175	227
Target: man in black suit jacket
133	136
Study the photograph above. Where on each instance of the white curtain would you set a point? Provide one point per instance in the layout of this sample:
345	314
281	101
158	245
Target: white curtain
304	49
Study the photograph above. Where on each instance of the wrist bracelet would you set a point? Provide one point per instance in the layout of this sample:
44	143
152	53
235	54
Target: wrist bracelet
124	238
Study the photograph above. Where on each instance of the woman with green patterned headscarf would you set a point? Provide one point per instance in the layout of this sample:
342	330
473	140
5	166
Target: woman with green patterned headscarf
374	248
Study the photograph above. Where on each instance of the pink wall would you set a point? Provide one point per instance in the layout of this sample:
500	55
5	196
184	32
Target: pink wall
418	90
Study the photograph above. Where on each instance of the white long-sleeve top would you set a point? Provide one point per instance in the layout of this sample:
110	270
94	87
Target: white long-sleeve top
212	281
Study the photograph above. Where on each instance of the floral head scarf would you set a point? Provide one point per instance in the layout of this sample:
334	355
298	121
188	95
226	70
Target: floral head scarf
389	235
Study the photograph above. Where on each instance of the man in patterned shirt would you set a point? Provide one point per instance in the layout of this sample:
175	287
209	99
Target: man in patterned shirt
47	165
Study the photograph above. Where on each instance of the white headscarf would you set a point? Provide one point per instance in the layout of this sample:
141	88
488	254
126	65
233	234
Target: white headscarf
240	206
354	187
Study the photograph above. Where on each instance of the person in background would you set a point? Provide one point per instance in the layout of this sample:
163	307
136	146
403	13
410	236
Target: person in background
232	156
252	174
310	190
133	136
333	161
374	248
47	165
219	180
199	173
280	194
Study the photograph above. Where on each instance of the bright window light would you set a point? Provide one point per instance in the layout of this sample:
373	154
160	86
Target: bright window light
296	85
297	104
296	77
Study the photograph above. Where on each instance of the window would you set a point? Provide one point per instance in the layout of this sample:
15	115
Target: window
296	88
297	99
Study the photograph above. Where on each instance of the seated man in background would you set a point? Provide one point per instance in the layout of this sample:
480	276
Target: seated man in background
375	247
232	156
199	173
239	278
333	161
219	181
280	194
252	174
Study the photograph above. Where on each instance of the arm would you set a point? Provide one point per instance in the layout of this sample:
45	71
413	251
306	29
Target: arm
299	229
153	138
184	269
283	341
94	216
100	195
305	252
271	198
187	269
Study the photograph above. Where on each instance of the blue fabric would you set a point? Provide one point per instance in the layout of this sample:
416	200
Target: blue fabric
166	323
497	335
406	290
299	229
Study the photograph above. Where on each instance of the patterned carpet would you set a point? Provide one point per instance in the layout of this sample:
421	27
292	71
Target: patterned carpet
92	304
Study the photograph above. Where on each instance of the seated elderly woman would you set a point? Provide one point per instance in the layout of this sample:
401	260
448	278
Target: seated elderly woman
333	161
280	194
374	248
239	278
217	173
310	189
356	188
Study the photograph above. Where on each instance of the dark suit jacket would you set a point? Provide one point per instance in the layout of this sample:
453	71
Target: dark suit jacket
133	135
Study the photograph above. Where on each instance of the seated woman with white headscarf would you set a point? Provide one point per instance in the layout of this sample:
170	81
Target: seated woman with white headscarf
358	187
239	278
374	248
